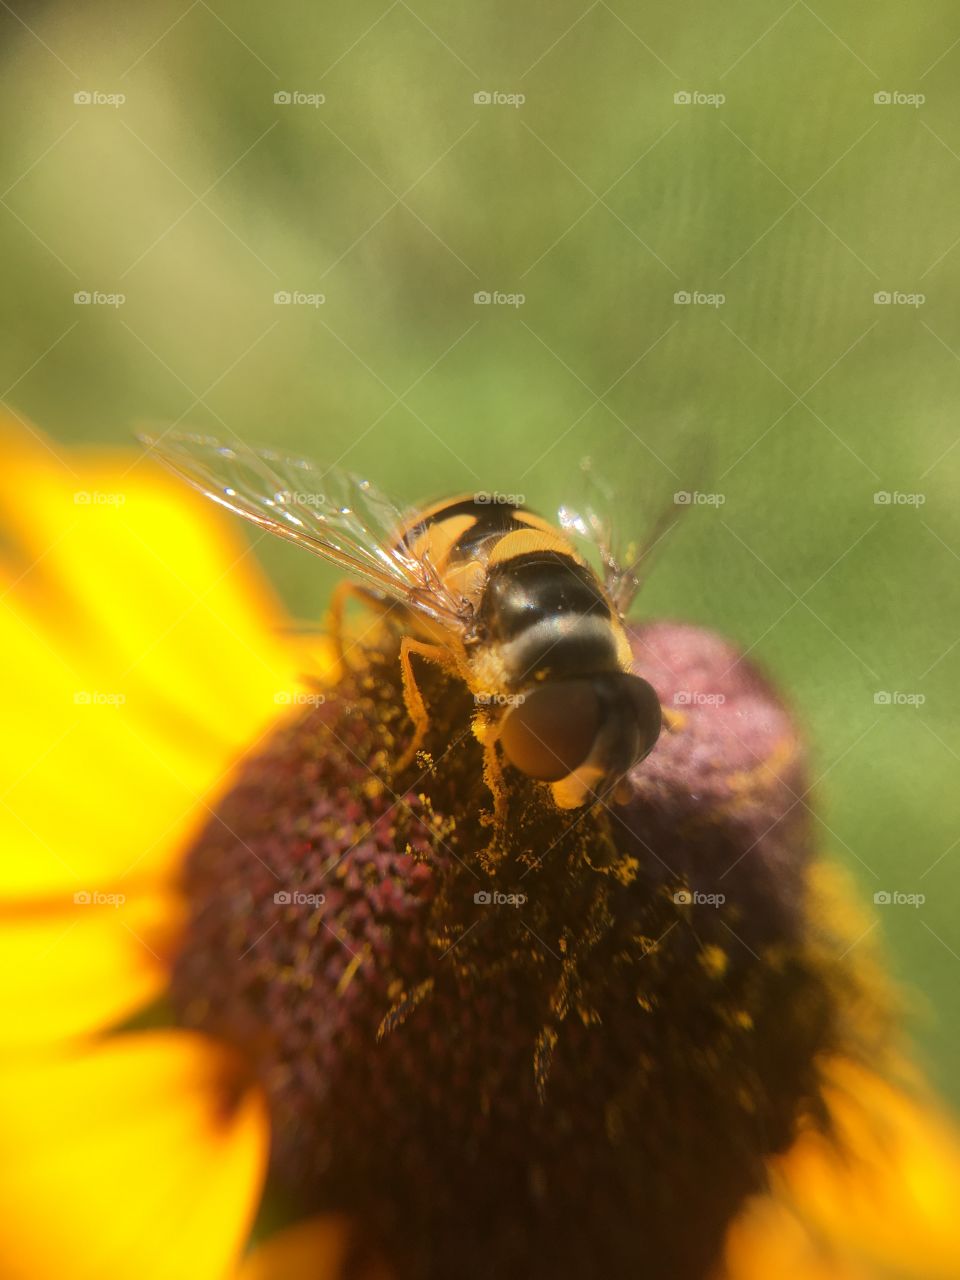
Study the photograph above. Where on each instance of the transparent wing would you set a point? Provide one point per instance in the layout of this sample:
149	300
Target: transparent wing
623	524
622	568
590	521
335	514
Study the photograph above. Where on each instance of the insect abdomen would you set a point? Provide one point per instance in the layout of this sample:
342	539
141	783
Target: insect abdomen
548	616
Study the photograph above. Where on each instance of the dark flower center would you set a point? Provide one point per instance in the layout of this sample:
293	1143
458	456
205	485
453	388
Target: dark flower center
564	1048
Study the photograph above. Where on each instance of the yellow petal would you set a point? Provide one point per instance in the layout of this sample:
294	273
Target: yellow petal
312	1250
138	1158
879	1196
769	1242
142	656
317	1249
888	1188
73	968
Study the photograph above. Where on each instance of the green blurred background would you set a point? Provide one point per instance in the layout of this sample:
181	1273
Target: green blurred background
598	198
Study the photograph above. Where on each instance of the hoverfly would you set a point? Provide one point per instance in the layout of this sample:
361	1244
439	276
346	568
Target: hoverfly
488	590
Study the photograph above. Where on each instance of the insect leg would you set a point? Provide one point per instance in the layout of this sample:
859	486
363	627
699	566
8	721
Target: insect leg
412	697
493	777
342	592
486	729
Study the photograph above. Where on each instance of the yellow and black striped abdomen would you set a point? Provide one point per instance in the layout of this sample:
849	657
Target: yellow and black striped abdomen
537	604
548	617
468	528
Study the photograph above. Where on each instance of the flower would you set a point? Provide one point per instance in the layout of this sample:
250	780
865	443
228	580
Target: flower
181	1019
141	659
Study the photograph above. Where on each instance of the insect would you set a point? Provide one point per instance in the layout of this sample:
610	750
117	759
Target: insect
479	585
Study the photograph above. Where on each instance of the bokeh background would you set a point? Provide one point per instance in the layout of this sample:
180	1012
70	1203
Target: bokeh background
178	182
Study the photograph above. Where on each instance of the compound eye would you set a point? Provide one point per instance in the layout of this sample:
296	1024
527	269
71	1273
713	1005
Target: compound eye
646	706
553	730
